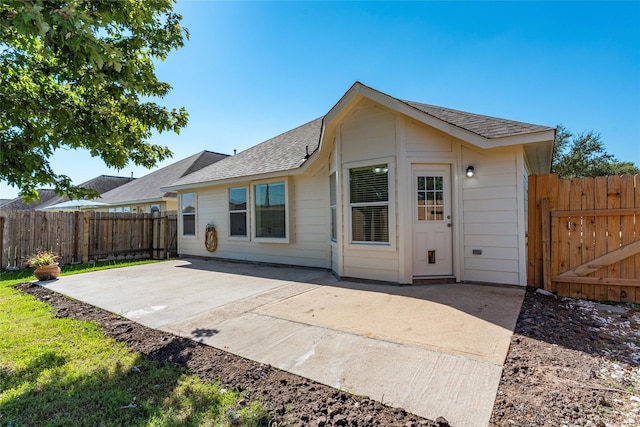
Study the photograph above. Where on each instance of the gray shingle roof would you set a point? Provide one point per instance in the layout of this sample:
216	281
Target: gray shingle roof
17	203
148	186
288	150
486	126
284	152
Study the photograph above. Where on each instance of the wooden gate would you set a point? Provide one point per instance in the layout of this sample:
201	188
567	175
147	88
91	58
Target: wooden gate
584	236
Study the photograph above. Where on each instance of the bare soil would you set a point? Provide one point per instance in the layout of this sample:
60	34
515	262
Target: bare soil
571	362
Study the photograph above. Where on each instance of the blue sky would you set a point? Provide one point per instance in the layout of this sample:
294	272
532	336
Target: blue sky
253	70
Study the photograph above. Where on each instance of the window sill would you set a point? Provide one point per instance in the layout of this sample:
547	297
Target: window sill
370	246
271	240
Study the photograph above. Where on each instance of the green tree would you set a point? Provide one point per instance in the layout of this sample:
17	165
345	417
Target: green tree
79	74
576	156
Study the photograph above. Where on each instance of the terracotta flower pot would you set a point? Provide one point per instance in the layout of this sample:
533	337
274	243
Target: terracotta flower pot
47	272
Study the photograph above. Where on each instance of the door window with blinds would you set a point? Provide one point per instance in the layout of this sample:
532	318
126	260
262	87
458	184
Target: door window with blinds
369	204
430	195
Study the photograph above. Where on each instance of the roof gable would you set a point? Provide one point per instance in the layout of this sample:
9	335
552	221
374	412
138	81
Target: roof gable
290	150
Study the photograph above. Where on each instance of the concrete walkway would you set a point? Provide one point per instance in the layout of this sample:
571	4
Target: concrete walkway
434	350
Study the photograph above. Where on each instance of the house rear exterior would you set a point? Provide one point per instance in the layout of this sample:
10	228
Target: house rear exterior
378	189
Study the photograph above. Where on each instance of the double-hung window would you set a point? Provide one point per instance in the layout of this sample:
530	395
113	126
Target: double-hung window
271	210
369	204
188	210
238	212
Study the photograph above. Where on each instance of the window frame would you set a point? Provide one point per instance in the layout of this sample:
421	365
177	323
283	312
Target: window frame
391	205
287	210
333	207
194	214
247	211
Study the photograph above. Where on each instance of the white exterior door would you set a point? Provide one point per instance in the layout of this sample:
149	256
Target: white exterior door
432	222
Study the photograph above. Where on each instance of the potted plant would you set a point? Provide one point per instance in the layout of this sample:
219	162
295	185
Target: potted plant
46	265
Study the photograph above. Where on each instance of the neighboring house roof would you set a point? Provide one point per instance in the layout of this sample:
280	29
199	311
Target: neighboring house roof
101	184
147	188
17	203
291	149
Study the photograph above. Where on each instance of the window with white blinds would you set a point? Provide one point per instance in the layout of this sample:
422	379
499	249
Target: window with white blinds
369	202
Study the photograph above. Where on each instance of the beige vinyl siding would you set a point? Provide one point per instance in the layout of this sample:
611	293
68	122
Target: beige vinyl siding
368	137
420	139
490	212
371	265
368	133
309	236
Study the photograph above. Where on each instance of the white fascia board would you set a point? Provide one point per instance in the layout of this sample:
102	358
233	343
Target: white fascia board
528	138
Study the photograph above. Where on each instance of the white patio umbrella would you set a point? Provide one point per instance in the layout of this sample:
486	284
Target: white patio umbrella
75	205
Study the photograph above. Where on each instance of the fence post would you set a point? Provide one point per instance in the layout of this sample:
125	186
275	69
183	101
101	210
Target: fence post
85	237
2	266
76	236
155	234
165	224
546	248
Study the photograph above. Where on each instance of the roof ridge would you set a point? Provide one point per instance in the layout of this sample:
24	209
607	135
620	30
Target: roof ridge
192	167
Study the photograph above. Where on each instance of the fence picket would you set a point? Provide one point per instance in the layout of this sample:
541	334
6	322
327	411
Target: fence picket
575	234
627	266
636	182
588	223
563	230
600	237
613	233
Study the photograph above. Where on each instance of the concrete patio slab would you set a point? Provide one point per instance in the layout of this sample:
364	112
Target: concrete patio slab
456	318
435	350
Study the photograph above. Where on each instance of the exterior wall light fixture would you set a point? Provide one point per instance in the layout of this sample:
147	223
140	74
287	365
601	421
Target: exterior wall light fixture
470	171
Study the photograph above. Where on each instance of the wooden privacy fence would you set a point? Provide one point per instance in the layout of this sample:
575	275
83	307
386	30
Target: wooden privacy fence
78	237
584	236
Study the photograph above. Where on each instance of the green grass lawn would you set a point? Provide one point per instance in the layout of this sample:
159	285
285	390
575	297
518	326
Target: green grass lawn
64	372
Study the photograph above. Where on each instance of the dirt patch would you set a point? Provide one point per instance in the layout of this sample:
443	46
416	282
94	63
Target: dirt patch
571	362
